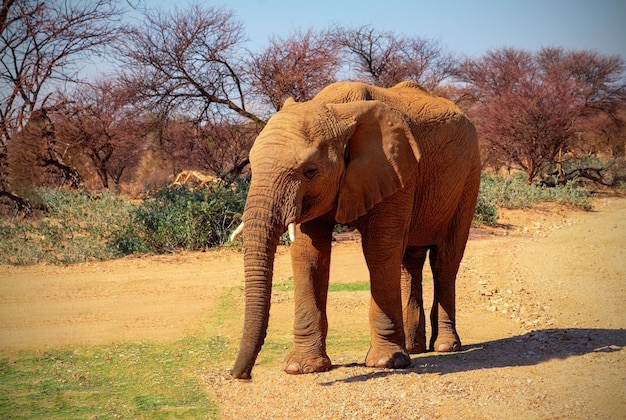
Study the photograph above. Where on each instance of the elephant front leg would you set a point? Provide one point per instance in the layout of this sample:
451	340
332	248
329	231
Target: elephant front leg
387	349
310	254
412	300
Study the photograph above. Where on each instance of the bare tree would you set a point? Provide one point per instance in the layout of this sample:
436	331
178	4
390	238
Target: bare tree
427	63
374	55
42	45
4	14
34	160
385	59
101	122
601	79
298	67
533	110
189	61
223	147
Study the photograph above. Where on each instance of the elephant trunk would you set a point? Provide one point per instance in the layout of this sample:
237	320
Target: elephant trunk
264	225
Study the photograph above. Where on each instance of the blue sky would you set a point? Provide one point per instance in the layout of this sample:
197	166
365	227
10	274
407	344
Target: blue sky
466	27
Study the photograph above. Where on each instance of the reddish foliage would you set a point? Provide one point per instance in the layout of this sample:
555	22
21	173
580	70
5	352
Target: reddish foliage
298	67
101	122
531	109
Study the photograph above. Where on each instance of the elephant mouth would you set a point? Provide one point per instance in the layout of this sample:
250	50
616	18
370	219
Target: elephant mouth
307	207
310	210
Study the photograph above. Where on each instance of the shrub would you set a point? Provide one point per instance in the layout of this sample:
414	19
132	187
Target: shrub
569	194
182	217
72	226
515	193
486	212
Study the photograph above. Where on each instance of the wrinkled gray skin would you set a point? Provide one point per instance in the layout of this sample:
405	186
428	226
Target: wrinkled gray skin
398	164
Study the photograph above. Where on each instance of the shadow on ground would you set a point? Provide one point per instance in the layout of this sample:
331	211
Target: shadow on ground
526	350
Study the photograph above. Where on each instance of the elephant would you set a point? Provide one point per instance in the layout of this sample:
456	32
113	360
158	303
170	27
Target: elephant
400	165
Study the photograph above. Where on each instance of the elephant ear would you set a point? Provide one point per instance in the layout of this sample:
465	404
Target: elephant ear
381	155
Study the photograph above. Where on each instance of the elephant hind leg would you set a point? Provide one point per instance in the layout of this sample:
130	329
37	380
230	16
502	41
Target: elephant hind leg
445	259
412	300
445	266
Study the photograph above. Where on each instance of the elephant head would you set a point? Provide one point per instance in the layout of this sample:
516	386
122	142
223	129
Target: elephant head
314	159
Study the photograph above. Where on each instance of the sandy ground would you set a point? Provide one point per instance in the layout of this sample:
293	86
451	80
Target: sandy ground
540	312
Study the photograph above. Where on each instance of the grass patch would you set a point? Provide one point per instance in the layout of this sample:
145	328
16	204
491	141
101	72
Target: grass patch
514	192
352	344
153	380
288	286
138	380
349	287
361	286
274	350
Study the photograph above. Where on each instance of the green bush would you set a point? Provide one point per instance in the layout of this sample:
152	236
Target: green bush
181	217
515	193
72	226
569	194
486	212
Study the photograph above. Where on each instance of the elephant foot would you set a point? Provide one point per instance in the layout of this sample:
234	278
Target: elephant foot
388	358
298	363
447	343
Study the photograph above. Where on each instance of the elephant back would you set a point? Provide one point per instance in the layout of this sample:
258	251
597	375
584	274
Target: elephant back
408	98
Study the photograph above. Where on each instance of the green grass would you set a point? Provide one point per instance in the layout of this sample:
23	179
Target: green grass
514	192
287	286
136	380
349	287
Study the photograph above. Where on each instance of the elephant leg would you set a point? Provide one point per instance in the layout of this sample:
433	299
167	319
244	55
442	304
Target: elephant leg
412	300
383	248
310	255
445	260
443	313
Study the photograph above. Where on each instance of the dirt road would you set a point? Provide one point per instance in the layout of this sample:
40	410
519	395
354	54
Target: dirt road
541	314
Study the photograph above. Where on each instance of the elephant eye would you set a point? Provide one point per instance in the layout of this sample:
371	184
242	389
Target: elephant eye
310	172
